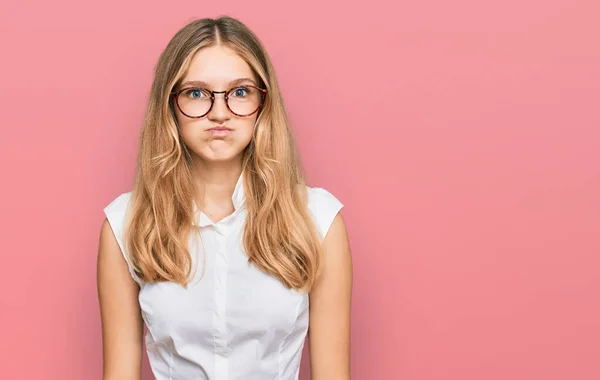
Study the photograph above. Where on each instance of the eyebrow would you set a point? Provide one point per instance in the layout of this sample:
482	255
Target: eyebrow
199	83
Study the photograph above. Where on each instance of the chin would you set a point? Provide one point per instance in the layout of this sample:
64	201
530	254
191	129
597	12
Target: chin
224	157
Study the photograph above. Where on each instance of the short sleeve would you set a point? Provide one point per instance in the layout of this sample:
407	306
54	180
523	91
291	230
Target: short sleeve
116	212
323	206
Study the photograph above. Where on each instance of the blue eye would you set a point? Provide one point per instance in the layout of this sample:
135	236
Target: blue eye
196	93
240	92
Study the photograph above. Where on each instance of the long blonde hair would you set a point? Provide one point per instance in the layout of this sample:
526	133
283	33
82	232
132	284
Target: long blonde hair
279	236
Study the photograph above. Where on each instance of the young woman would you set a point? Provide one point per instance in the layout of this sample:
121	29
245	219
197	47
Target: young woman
220	245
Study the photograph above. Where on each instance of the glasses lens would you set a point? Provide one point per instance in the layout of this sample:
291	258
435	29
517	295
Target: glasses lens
194	102
244	100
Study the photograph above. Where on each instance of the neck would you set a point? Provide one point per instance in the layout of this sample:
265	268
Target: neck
215	181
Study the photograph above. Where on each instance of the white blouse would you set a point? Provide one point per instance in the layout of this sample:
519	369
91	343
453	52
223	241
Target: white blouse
233	322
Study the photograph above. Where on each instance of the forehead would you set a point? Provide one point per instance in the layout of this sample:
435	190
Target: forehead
218	66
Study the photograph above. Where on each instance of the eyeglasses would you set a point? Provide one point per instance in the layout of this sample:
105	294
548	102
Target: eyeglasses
196	102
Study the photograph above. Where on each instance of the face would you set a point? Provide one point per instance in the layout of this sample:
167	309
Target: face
220	69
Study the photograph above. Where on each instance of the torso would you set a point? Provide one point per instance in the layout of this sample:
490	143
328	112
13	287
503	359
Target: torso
234	321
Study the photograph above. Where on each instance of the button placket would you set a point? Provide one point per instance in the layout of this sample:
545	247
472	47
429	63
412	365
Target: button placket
220	320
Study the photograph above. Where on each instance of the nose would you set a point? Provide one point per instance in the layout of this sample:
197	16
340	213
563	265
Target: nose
219	110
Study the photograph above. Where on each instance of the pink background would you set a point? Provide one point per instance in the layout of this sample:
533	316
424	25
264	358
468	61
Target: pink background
462	136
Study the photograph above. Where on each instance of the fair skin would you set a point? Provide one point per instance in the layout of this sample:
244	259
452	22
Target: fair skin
218	164
329	329
217	159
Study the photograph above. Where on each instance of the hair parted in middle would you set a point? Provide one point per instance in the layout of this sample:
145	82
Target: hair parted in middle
279	235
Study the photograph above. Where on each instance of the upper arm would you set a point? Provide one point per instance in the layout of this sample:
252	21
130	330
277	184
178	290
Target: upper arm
122	325
330	302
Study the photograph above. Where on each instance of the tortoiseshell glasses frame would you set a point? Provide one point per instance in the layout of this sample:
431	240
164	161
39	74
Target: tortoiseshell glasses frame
263	93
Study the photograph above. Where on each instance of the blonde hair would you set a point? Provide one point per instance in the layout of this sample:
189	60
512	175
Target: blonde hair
279	236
